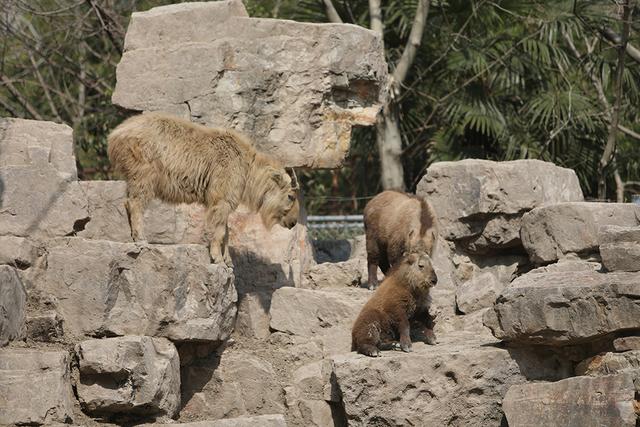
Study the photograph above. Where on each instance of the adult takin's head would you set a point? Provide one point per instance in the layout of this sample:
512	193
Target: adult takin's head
417	270
279	204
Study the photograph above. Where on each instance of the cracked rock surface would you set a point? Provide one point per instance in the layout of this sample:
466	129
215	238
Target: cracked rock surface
295	88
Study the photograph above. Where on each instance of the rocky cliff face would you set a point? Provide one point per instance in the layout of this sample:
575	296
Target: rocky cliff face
538	320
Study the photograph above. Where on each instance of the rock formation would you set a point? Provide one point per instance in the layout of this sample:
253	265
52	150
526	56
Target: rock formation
536	300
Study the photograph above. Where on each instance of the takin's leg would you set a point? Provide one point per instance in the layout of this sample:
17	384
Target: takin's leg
422	325
139	193
405	333
217	231
366	337
373	253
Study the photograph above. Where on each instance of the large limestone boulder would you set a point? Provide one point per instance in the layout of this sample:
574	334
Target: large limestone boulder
482	279
481	202
19	252
37	143
579	401
13	300
610	364
552	232
296	88
35	387
566	308
265	260
39	194
326	315
106	288
455	384
38	202
620	248
237	383
163	222
129	375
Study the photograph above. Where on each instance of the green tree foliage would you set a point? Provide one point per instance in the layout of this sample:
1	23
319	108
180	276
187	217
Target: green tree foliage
504	80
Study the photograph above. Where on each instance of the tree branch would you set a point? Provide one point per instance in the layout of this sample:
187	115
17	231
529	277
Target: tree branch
18	96
611	35
410	50
332	13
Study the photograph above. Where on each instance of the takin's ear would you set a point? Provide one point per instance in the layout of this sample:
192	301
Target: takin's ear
279	177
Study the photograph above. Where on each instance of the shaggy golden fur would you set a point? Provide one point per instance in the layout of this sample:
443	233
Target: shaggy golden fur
402	297
396	223
177	161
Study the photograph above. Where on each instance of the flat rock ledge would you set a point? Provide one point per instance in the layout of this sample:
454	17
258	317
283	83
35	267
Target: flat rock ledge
35	387
457	383
566	308
101	288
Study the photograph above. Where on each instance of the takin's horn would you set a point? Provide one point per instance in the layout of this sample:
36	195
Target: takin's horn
294	179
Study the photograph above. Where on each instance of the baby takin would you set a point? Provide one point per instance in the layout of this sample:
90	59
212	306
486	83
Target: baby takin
395	223
403	297
165	157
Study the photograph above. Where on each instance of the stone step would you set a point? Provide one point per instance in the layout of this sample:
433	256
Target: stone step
102	288
35	387
461	383
561	308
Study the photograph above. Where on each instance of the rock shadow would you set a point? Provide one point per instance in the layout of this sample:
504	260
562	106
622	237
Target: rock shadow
256	275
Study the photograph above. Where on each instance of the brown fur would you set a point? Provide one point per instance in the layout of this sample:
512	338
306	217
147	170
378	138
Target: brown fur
177	161
402	297
396	223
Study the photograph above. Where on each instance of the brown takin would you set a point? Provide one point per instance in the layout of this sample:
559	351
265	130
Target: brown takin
396	223
163	156
385	320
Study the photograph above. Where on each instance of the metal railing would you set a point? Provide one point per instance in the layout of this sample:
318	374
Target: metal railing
323	227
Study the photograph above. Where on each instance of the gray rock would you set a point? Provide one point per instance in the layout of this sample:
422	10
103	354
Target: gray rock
272	420
313	381
35	387
163	222
626	343
334	275
478	293
318	413
263	259
40	201
107	288
616	234
236	384
13	300
17	251
565	308
293	86
39	144
621	256
129	375
482	279
455	384
253	315
580	401
324	314
552	232
610	364
481	201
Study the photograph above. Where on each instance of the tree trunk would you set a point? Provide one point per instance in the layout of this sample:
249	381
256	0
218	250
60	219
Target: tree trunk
610	146
389	142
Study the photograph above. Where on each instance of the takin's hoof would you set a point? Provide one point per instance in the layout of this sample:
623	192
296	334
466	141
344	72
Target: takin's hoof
369	350
406	347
